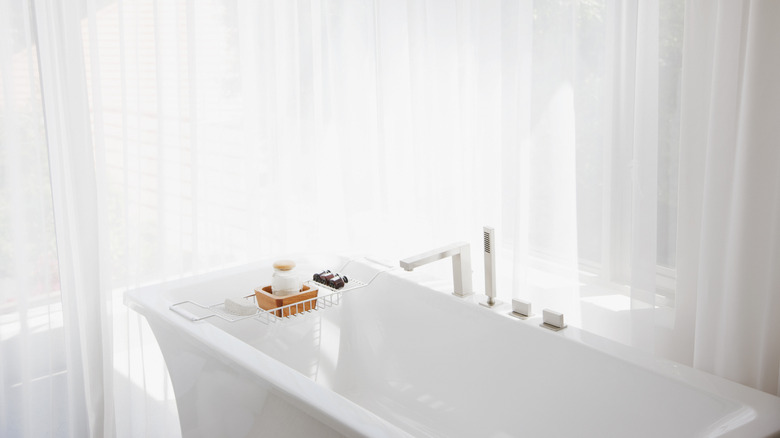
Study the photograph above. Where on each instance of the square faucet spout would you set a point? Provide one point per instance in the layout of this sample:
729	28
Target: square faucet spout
461	264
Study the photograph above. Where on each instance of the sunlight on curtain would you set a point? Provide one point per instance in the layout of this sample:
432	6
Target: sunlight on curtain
221	122
596	217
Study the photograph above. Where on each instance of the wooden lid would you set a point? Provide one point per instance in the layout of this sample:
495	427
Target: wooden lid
284	265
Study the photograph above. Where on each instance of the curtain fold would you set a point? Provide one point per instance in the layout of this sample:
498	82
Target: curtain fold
86	309
42	339
730	198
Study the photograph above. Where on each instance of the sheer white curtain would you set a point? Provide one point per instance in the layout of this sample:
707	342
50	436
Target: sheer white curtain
182	137
728	278
43	386
597	182
685	96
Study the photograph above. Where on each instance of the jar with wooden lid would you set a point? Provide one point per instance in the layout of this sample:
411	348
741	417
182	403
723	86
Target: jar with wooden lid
285	280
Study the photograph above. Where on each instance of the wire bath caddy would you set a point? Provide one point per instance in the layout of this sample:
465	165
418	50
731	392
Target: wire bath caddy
289	311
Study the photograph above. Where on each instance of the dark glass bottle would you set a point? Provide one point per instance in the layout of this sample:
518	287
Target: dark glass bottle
325	277
317	277
338	281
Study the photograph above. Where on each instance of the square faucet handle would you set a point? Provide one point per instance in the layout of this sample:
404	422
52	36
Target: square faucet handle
552	320
521	307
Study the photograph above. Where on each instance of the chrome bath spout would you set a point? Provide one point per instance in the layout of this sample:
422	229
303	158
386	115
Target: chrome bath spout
461	264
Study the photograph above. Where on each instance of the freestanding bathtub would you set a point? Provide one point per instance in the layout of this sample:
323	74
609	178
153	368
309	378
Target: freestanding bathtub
396	358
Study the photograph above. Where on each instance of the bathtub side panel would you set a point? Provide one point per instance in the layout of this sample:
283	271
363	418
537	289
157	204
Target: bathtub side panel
216	399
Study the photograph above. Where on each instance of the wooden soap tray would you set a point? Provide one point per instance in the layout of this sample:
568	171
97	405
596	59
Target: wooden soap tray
303	301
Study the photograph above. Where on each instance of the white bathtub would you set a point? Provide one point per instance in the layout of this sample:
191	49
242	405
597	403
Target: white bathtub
396	358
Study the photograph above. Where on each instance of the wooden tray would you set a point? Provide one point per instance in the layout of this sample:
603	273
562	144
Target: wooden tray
267	301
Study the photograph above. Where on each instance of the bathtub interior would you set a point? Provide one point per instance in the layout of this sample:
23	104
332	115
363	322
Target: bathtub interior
433	364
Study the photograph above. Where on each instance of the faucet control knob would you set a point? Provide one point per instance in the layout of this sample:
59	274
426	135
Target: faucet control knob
521	307
552	320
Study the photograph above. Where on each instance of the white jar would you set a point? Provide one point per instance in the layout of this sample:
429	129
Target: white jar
285	280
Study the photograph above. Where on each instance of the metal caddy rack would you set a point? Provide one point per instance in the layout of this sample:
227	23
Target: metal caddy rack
331	297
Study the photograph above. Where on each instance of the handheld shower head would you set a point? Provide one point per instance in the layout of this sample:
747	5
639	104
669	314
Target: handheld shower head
489	235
